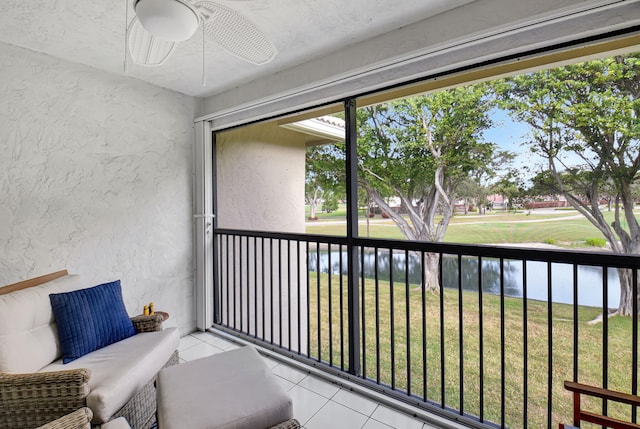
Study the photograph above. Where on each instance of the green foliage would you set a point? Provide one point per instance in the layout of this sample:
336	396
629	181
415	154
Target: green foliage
596	242
587	111
398	141
425	149
551	241
325	169
330	203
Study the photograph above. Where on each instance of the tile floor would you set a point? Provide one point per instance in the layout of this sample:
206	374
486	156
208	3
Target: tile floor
317	404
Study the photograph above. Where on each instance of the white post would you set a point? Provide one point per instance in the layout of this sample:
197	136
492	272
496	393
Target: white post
203	224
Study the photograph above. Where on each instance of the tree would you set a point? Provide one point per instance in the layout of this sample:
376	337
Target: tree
420	150
511	188
330	203
324	175
590	112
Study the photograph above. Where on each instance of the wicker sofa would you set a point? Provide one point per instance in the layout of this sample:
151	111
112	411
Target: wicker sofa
37	388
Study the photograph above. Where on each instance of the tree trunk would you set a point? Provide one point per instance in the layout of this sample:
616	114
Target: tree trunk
625	307
431	267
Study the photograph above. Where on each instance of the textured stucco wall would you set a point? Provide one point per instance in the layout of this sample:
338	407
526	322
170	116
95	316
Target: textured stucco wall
95	177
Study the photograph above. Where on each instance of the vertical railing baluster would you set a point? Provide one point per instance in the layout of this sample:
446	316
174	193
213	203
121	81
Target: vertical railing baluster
376	279
341	311
330	306
240	278
634	341
299	279
248	265
424	327
289	294
605	335
216	277
392	322
503	396
363	324
263	298
219	281
460	337
525	346
576	341
255	287
271	309
227	281
308	302
442	359
234	283
550	343
480	343
319	299
408	319
280	342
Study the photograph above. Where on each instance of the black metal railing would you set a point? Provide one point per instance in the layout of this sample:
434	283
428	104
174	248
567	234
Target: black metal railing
486	335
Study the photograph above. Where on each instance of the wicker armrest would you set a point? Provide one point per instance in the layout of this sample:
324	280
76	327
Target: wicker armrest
79	419
148	323
31	400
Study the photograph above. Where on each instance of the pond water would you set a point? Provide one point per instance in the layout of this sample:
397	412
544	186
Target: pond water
590	287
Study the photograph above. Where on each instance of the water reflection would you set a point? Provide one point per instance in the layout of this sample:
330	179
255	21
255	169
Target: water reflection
590	288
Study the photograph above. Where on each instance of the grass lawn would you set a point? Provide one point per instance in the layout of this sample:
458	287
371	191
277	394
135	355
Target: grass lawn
564	227
409	372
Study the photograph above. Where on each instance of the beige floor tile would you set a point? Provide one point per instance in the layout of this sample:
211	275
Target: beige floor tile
319	386
336	416
356	402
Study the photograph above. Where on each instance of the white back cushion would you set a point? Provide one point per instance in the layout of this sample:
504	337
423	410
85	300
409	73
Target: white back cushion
28	333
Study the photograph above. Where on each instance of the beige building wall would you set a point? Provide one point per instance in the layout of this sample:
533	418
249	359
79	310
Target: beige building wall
260	186
260	178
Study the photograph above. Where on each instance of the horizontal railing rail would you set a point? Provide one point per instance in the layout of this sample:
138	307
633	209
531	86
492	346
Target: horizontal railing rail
584	257
482	334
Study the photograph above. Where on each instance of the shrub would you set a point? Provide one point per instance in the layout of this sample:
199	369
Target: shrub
330	203
596	242
551	241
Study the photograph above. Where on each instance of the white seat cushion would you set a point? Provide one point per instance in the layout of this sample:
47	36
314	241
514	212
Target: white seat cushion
230	390
119	423
28	333
121	369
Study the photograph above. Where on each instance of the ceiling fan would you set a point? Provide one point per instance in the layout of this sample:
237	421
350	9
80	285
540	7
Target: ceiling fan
152	35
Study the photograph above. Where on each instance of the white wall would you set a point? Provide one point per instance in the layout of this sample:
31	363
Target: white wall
95	177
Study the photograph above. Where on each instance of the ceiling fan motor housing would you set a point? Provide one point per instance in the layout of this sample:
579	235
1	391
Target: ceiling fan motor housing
170	20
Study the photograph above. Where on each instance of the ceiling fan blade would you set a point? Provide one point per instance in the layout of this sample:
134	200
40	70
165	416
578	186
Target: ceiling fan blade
144	49
235	33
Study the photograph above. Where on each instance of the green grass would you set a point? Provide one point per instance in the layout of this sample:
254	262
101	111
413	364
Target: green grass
590	351
340	213
563	227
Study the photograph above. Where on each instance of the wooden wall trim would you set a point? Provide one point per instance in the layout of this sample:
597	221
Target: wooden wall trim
32	282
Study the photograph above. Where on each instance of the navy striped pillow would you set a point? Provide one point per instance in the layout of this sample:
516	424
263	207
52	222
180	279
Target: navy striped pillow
89	319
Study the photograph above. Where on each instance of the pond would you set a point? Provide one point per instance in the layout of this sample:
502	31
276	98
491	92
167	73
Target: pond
590	289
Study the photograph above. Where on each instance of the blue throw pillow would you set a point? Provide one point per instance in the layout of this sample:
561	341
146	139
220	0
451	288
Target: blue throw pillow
89	319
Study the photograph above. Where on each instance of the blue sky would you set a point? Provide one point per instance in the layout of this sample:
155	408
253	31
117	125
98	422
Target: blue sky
510	135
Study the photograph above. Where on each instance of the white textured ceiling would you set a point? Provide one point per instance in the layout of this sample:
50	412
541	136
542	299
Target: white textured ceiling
92	32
